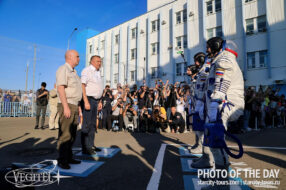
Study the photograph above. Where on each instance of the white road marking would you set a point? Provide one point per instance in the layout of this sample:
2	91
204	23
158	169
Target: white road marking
155	178
157	171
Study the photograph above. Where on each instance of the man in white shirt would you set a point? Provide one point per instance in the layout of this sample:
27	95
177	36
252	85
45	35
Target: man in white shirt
92	88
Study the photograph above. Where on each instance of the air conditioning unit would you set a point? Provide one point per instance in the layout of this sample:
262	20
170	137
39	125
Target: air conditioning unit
163	22
170	47
178	48
191	14
249	32
142	32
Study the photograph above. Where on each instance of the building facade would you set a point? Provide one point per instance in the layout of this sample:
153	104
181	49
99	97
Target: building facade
146	47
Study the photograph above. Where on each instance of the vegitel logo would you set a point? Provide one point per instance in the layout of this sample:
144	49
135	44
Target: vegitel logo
40	174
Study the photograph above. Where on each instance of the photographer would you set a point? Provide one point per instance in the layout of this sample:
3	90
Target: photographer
181	104
176	121
142	95
171	98
144	119
159	119
130	115
107	98
117	111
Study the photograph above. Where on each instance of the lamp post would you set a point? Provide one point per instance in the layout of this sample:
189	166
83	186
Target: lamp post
70	38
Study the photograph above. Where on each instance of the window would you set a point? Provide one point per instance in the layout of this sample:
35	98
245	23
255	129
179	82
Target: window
155	25
217	5
133	53
209	7
132	74
134	31
185	15
116	78
178	69
178	17
116	58
219	31
210	33
179	42
263	58
155	48
261	23
154	72
182	42
249	26
102	44
117	39
90	49
251	60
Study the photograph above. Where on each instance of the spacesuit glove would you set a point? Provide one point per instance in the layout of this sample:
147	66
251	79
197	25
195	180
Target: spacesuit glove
212	111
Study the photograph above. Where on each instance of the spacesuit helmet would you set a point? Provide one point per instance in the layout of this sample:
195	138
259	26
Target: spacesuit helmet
231	47
215	44
200	57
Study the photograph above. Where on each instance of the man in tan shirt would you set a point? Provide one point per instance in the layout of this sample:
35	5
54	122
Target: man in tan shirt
70	94
53	102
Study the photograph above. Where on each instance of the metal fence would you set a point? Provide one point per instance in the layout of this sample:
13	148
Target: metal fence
18	109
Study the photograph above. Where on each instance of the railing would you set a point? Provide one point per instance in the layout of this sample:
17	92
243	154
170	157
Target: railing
18	109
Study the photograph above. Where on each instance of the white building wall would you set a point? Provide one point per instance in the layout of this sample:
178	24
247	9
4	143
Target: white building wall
154	4
232	20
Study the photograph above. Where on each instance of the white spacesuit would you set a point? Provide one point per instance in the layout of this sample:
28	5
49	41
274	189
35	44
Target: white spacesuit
206	161
225	91
224	94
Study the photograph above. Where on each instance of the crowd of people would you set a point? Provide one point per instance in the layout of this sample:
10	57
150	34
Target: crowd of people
16	96
161	108
264	108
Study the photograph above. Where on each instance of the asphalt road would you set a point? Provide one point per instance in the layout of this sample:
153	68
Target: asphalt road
133	167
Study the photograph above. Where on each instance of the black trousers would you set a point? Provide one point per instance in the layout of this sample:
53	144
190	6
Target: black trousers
111	118
181	127
89	124
106	113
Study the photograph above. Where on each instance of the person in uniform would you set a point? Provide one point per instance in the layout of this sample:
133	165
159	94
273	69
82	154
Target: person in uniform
42	102
70	94
53	102
224	93
92	88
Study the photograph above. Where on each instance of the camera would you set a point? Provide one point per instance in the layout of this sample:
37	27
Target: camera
194	69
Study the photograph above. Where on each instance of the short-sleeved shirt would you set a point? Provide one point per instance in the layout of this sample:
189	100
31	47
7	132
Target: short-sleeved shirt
92	79
67	76
116	112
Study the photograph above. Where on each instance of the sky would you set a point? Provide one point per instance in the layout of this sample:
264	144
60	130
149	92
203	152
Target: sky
48	24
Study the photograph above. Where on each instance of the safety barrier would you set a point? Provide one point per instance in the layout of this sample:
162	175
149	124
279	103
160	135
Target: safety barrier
18	109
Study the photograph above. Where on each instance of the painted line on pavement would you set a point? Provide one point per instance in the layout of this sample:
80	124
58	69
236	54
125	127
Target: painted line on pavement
157	171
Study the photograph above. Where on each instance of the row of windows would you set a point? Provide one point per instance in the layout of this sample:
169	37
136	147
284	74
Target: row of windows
257	24
251	60
181	69
132	77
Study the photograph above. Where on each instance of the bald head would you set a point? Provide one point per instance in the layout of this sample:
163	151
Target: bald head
72	58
